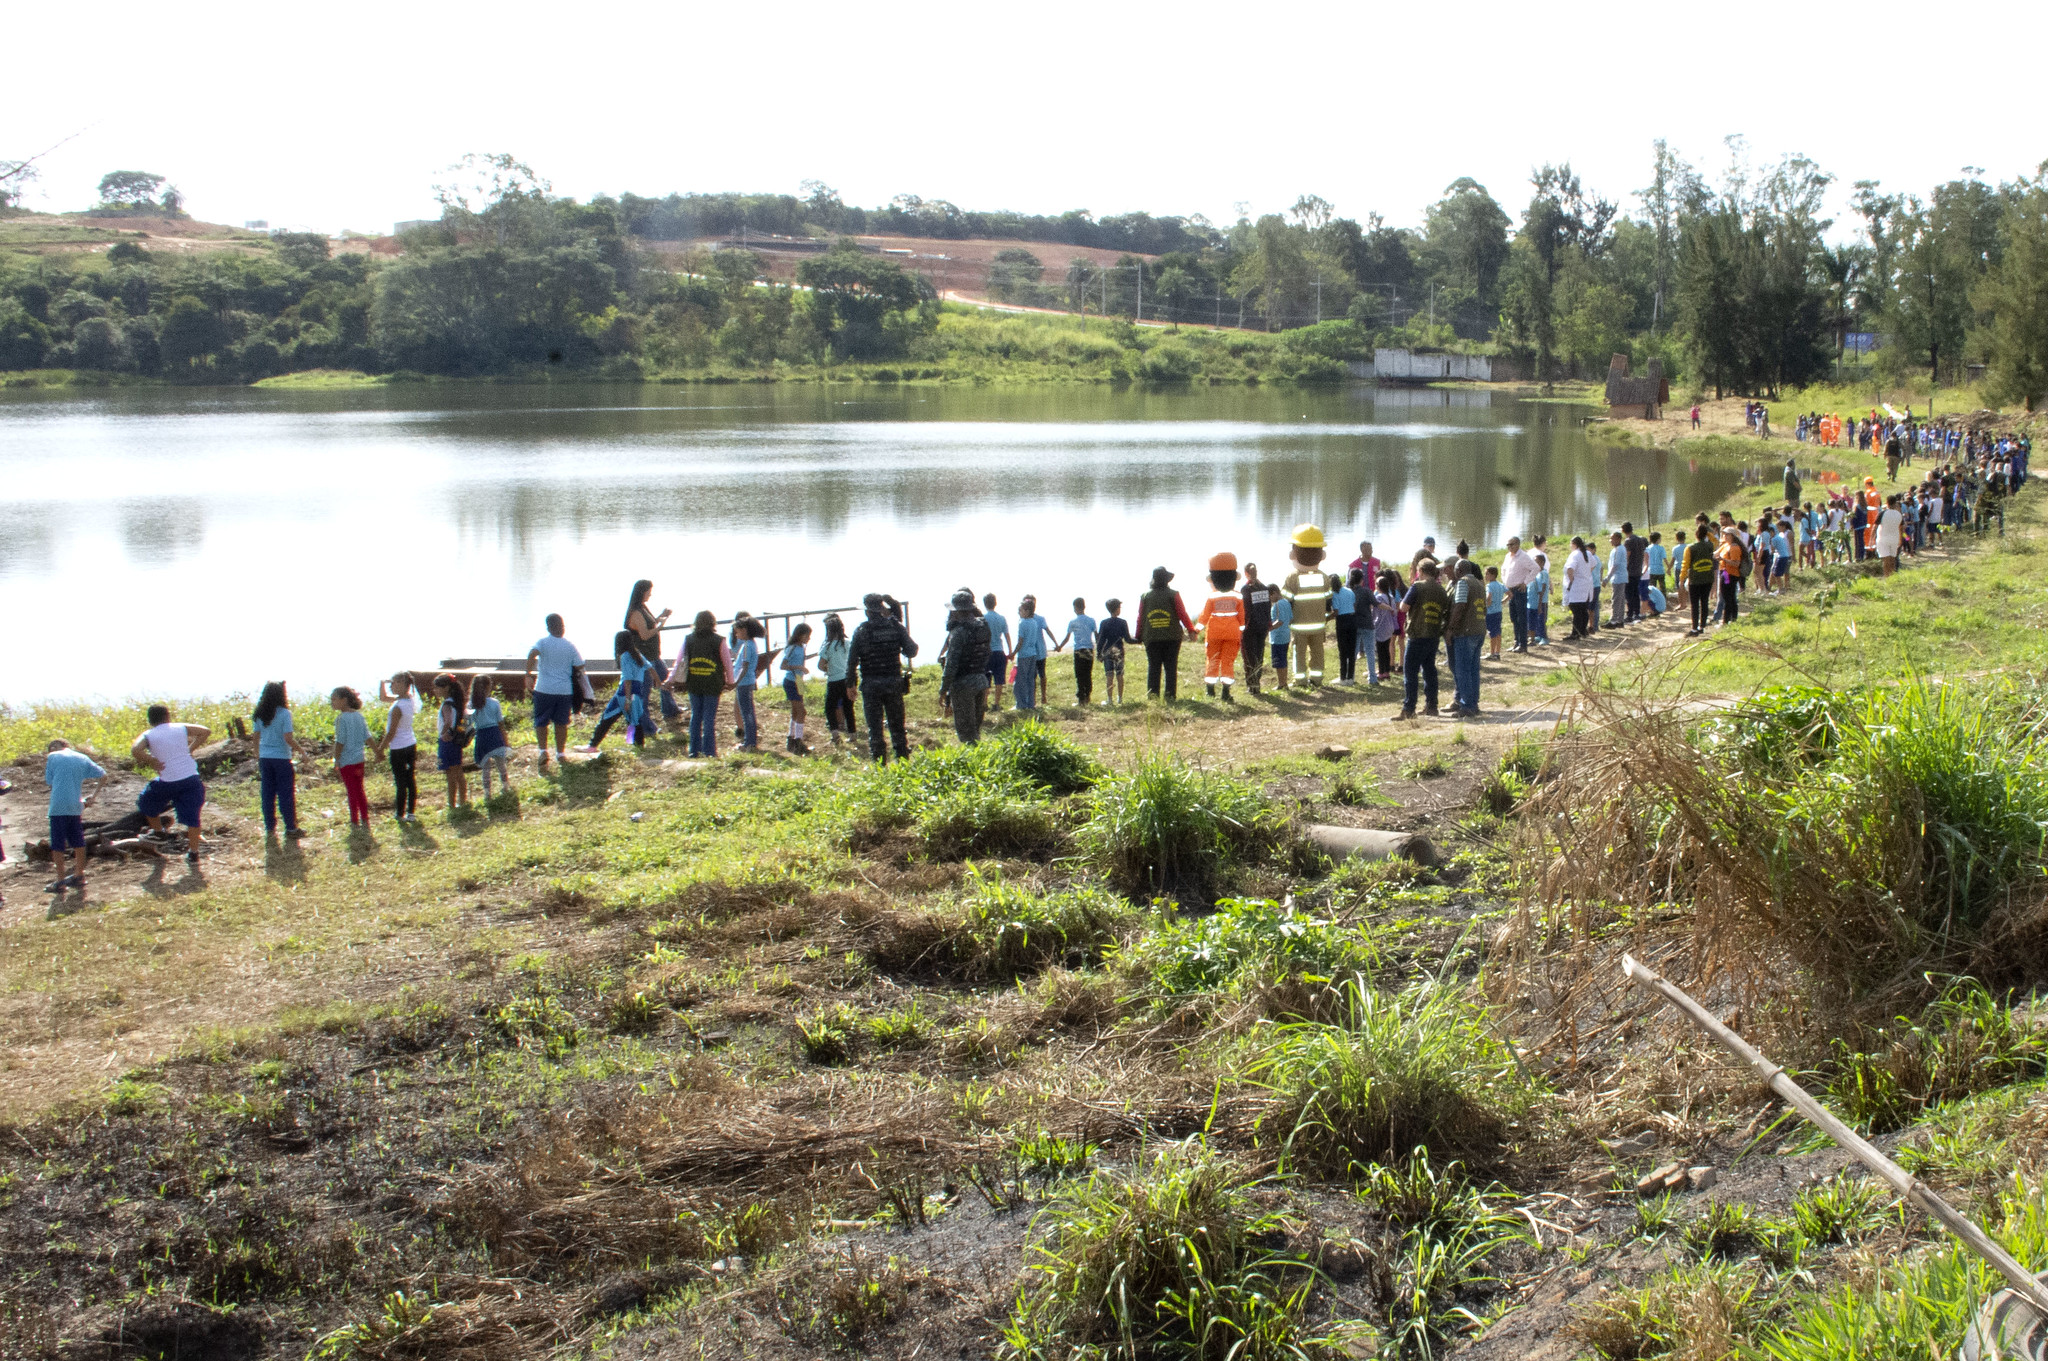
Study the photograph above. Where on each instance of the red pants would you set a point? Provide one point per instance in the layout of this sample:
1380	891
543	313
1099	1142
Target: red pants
358	802
1222	659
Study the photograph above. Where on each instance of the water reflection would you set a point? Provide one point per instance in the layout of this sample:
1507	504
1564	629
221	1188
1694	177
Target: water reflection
159	532
430	522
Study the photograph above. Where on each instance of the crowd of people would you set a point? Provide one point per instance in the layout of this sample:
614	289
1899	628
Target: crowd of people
1371	612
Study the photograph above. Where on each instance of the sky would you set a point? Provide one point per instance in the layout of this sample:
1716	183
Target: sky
324	118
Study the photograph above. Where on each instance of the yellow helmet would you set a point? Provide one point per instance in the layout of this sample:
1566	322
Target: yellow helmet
1308	536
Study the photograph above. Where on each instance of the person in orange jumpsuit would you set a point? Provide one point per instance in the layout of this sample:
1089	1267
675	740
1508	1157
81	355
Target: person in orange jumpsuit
1873	501
1222	624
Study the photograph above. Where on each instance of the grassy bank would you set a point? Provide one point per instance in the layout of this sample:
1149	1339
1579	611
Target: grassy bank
781	1057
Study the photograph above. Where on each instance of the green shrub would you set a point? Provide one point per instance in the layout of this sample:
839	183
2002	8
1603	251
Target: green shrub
827	1036
1168	828
1169	362
1919	1307
1161	1262
1035	752
1964	1042
538	1021
1248	942
992	798
1420	1068
1006	929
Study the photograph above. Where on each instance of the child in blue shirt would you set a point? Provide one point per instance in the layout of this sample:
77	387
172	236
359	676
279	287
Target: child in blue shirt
1281	635
1081	633
794	669
1539	601
1111	639
1496	601
488	721
1034	643
1344	614
1653	559
351	736
66	772
998	650
746	675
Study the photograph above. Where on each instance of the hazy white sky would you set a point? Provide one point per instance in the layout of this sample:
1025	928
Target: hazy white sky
333	117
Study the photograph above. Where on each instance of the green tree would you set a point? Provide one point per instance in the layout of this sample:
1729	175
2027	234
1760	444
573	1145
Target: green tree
2016	297
1464	248
191	332
864	307
129	189
1014	274
1180	288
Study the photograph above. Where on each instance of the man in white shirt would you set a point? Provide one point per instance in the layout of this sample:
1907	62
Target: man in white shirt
554	693
167	749
1516	573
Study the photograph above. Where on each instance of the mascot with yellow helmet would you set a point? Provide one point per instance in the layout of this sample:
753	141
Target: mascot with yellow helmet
1308	589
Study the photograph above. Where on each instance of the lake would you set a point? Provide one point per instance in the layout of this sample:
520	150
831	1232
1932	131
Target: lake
182	542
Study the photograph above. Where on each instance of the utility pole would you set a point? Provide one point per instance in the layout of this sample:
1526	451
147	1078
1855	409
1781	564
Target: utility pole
1139	292
1219	307
1319	299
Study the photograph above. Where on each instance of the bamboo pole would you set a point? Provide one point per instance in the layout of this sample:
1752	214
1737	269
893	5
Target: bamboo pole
1909	1187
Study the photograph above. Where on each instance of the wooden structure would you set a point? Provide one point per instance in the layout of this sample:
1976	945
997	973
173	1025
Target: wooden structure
1636	398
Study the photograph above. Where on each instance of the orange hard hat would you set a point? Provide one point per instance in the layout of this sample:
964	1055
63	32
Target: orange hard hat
1223	562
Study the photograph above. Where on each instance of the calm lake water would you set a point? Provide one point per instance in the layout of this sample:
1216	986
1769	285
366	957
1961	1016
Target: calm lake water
198	542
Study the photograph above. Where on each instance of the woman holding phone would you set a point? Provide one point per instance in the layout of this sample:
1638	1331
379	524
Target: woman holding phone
645	625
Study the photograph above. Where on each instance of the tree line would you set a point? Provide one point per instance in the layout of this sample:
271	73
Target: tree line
1741	284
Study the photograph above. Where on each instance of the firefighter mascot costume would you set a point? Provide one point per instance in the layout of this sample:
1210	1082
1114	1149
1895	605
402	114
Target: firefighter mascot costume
1222	623
1307	588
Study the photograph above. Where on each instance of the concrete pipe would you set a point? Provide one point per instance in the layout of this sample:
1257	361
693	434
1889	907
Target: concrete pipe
1366	843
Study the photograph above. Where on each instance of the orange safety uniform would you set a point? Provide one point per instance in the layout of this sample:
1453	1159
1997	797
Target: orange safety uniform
1873	501
1222	623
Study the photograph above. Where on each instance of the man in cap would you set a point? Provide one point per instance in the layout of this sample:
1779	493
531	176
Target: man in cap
964	682
879	645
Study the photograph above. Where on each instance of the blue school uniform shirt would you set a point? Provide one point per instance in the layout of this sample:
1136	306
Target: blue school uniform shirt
792	657
1282	631
1033	636
1081	631
1115	632
352	734
1653	561
1781	545
67	771
490	715
1345	601
834	657
998	632
745	663
270	743
558	658
1496	597
1539	589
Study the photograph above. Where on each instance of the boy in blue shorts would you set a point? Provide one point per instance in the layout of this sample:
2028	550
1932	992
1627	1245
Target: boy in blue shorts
66	772
167	749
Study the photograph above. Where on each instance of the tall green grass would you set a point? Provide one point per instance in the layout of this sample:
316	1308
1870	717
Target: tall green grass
1246	943
994	798
1169	828
1163	1261
1419	1069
